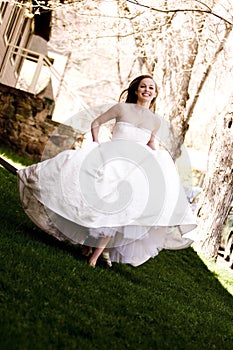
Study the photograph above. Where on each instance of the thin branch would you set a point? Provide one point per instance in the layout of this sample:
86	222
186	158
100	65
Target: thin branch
206	74
202	3
48	7
124	35
210	12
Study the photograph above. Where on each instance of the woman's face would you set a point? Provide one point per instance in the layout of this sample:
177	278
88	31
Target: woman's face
146	91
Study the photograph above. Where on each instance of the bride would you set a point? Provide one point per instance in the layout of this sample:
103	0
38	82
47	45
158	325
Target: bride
123	195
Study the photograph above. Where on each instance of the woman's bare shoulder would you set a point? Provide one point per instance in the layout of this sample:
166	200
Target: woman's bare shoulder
117	108
157	119
157	116
121	106
121	109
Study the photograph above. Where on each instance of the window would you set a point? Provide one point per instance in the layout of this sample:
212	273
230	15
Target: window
3	6
16	34
12	23
20	35
25	36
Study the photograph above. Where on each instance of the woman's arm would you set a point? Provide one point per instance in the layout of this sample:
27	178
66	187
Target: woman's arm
111	113
151	142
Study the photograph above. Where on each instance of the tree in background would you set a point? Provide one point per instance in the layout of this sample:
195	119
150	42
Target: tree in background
217	196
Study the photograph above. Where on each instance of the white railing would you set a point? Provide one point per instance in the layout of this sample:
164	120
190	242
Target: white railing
39	59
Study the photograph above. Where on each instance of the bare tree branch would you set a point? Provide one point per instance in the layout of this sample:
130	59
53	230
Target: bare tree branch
207	73
202	3
208	11
50	5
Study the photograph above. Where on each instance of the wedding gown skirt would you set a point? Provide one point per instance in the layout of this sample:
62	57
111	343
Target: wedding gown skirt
120	188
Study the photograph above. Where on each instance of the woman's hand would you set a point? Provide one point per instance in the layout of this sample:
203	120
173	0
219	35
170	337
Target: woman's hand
151	142
151	145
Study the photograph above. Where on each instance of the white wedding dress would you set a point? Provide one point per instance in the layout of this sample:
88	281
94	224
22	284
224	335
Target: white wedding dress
121	188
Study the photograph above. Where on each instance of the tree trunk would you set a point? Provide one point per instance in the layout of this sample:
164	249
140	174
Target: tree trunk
217	196
177	69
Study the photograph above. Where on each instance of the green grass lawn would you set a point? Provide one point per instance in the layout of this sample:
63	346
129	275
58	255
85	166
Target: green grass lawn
51	299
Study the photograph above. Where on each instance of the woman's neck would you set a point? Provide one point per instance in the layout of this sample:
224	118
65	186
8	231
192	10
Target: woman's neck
144	105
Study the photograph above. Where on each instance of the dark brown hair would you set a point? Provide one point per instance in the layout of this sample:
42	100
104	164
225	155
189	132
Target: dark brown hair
130	92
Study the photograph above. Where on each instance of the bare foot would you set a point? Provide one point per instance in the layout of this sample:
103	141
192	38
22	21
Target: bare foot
86	251
98	251
92	262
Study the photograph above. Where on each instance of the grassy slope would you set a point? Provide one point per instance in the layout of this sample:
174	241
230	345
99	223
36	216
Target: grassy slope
51	299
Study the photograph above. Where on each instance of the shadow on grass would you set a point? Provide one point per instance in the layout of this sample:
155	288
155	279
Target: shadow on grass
53	300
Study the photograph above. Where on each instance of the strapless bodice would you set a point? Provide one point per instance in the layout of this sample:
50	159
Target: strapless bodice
128	131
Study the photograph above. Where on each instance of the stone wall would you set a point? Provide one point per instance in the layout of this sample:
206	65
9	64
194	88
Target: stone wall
26	129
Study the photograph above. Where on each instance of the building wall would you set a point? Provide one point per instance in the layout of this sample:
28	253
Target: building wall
15	29
25	128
